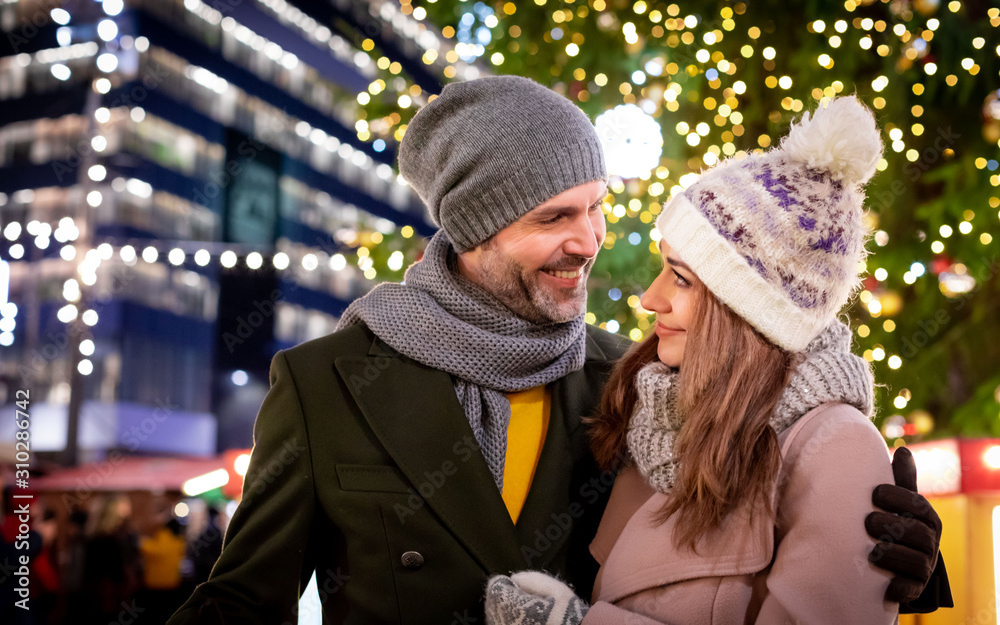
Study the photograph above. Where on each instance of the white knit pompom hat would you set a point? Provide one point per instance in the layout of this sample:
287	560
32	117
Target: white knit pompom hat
778	236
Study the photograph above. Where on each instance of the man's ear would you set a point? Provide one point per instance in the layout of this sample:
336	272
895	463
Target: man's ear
468	262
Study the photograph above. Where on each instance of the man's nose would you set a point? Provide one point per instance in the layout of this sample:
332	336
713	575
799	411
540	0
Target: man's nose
583	238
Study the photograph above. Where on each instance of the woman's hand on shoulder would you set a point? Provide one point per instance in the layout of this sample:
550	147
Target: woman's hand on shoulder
909	534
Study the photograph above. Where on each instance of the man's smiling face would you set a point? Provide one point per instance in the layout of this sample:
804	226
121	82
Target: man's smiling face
538	266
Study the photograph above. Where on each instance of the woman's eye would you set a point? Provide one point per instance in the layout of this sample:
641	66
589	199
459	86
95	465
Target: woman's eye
681	280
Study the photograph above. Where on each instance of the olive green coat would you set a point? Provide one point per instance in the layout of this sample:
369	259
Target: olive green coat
362	455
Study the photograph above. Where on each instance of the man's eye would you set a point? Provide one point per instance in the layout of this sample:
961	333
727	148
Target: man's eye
552	220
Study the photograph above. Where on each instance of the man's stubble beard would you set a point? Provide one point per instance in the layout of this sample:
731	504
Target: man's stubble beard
520	290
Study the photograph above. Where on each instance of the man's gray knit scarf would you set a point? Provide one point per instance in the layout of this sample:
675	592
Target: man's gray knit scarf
447	322
829	373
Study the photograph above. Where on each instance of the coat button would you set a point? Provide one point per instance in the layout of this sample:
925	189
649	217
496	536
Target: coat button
412	560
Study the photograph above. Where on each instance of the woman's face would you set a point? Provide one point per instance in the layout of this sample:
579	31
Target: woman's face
672	297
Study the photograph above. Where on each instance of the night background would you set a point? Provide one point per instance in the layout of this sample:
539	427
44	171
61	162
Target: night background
187	187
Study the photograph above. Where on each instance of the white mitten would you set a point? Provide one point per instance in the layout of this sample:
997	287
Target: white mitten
532	598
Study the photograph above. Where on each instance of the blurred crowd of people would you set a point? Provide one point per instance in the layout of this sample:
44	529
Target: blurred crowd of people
101	570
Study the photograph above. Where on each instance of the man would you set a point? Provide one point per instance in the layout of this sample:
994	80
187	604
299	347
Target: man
437	436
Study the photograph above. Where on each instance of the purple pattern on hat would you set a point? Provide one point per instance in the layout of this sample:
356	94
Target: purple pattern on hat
833	243
804	294
756	264
797	227
818	175
777	186
724	221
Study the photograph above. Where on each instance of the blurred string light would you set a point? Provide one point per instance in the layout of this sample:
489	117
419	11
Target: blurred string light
723	104
107	62
473	32
8	310
661	83
60	71
64	36
60	16
395	262
956	281
204	483
112	7
66	231
107	29
632	141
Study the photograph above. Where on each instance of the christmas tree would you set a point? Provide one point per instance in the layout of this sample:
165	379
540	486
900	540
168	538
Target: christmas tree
677	87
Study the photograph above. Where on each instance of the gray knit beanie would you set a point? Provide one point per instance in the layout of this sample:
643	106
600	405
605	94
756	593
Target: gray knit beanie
487	151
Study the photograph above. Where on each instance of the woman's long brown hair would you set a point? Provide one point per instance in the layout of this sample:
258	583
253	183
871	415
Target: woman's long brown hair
730	381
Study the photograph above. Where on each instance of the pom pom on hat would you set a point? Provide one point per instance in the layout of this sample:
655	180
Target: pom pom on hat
840	138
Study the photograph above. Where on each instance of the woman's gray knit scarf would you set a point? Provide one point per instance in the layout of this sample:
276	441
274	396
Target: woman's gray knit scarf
447	322
828	373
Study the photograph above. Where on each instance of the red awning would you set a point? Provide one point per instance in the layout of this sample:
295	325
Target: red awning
128	473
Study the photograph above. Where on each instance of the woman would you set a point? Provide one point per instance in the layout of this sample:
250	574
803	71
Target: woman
742	426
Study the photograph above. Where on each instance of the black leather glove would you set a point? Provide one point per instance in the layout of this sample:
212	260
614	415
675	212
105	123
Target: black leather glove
909	535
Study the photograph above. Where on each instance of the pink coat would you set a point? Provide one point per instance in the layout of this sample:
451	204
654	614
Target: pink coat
808	567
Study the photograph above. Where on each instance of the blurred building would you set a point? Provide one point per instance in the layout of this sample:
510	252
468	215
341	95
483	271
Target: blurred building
181	180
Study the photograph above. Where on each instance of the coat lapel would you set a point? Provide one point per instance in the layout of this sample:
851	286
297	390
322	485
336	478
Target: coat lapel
415	413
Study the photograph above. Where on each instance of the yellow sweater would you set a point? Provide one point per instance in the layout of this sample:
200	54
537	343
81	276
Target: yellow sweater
529	421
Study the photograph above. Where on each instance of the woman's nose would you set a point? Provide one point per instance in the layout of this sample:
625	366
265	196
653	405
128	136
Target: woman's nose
656	298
